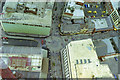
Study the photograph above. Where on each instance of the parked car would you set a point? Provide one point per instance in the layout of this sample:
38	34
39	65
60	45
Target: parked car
86	5
115	76
116	58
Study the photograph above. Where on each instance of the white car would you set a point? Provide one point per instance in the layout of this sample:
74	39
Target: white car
5	42
88	5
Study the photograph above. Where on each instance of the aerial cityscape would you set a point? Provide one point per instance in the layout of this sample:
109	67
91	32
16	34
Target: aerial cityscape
59	39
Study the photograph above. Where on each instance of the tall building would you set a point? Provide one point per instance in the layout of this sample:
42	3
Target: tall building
79	60
73	10
27	18
113	13
83	16
72	20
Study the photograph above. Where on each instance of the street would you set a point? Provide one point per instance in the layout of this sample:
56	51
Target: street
22	42
55	42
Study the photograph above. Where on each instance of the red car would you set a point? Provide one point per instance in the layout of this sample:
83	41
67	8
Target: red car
42	42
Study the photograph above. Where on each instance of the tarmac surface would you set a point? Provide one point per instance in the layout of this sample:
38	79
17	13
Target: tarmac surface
92	8
55	42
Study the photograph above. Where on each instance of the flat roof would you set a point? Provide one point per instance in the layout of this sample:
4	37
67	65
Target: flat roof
23	50
31	19
25	29
23	62
77	13
100	23
84	60
43	15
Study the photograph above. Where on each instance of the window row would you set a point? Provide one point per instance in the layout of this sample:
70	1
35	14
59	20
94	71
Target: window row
83	61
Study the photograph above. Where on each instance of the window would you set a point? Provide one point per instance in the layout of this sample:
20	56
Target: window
76	61
89	61
85	61
81	61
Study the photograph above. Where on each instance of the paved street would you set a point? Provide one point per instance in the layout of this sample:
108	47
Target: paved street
55	42
0	36
22	42
1	5
113	65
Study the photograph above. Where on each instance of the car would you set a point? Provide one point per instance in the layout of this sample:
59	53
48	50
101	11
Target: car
88	5
103	12
96	6
102	15
115	29
93	16
103	31
91	6
116	58
85	5
5	42
114	75
89	11
94	12
59	25
43	42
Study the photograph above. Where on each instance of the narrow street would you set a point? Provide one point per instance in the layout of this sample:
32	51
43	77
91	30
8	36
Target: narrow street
55	42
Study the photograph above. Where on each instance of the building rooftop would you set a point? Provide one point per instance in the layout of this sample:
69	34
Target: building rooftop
23	50
76	10
30	59
27	18
37	13
23	62
100	23
84	61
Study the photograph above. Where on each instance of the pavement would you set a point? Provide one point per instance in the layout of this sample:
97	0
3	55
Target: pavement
0	36
113	65
22	42
55	42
